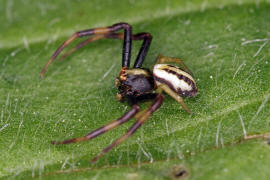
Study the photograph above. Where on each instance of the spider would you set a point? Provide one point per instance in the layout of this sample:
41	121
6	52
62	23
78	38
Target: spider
135	84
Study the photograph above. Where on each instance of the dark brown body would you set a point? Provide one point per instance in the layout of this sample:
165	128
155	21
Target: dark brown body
135	85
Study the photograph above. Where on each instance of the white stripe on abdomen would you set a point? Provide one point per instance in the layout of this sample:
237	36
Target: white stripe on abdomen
172	79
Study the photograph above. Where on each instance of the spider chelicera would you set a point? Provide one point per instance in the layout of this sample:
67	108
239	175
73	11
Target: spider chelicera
134	84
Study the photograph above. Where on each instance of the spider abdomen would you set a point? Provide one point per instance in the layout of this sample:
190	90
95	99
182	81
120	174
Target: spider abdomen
175	78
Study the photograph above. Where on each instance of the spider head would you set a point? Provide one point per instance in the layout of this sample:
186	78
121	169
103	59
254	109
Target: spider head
134	83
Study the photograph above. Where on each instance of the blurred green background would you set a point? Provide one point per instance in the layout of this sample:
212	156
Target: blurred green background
225	43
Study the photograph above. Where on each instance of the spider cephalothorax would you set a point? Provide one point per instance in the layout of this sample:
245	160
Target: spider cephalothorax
137	83
134	84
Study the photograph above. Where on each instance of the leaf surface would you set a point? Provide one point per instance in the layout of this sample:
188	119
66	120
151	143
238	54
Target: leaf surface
224	43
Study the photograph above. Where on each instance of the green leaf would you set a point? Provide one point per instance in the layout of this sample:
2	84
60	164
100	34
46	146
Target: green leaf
226	44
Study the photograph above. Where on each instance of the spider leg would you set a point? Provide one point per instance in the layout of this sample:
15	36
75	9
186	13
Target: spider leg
143	117
92	39
127	116
147	38
174	95
163	59
80	45
99	31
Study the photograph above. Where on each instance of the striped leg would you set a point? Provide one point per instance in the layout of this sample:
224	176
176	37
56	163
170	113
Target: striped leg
127	116
146	37
80	45
99	31
163	59
143	117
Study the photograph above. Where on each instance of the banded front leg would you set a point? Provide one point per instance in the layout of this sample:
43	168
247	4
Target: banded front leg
126	53
146	37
